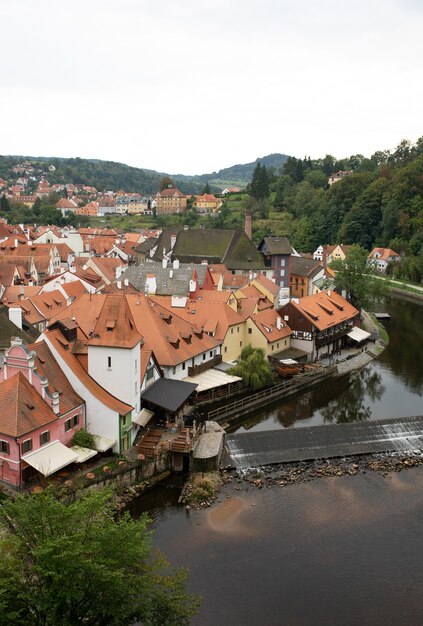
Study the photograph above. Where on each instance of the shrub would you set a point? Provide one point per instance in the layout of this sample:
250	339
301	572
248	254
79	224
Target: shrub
84	439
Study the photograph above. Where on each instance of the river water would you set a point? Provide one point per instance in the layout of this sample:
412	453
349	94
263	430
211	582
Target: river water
335	551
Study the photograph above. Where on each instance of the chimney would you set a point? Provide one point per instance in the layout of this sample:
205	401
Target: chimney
164	262
16	243
55	402
248	225
119	284
176	264
21	292
172	241
126	282
278	323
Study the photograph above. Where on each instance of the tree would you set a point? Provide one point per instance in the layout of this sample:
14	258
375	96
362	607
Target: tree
166	183
253	368
82	563
259	186
357	278
206	188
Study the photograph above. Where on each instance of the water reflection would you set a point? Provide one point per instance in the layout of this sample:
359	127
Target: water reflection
404	355
350	407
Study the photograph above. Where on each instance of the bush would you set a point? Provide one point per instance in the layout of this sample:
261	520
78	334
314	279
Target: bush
84	439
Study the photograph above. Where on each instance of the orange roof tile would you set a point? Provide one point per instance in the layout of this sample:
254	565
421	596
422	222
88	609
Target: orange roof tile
325	309
22	409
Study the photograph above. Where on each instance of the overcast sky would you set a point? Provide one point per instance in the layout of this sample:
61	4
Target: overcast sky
192	86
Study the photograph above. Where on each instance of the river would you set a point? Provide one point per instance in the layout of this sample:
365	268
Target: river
335	551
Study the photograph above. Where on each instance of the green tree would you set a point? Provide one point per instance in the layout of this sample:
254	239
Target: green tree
253	368
82	563
206	188
358	278
259	187
166	183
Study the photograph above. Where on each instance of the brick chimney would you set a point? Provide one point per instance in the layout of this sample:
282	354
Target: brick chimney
248	225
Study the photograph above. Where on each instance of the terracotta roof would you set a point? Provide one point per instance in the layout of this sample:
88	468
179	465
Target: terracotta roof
14	293
170	193
115	326
42	306
267	323
48	367
74	289
385	253
325	309
63	348
214	317
64	250
85	310
268	284
22	409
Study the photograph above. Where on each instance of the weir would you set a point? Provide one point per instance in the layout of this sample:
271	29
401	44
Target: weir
256	449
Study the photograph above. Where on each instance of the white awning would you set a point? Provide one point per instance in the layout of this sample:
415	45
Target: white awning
358	335
211	378
288	362
83	453
103	443
50	458
143	417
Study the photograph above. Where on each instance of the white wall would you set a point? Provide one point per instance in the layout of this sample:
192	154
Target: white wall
121	377
181	373
100	419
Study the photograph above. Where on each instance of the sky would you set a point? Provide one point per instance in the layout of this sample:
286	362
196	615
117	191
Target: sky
193	86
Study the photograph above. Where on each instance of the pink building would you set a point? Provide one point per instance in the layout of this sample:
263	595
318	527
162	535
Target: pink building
39	414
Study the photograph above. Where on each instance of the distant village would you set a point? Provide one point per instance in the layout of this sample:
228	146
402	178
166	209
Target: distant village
121	333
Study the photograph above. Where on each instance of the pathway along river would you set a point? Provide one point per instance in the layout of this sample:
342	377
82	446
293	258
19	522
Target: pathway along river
336	551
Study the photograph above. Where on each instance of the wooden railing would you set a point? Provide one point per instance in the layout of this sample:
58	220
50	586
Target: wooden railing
193	370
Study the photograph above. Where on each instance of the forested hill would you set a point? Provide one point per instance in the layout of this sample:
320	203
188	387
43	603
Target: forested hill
108	175
241	173
379	201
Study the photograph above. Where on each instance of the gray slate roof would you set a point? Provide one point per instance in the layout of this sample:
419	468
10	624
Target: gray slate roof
168	394
170	281
275	245
304	266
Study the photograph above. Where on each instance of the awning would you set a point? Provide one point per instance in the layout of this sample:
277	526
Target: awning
83	453
212	378
358	335
143	417
103	443
50	458
168	394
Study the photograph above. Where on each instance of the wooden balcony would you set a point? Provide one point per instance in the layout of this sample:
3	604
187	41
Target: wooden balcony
193	370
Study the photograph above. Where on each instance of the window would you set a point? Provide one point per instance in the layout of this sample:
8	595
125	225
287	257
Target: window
4	447
272	346
211	354
232	331
150	373
109	362
71	423
250	331
26	446
136	388
44	437
183	365
237	329
204	356
136	365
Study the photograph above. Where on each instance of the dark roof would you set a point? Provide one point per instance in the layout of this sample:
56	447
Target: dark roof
9	330
231	247
168	394
170	281
164	242
146	246
275	245
303	266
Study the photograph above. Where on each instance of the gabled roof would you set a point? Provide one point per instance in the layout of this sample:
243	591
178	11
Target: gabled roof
275	245
115	326
169	280
267	323
22	409
385	254
48	367
171	193
262	281
302	266
324	309
9	330
231	247
213	316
